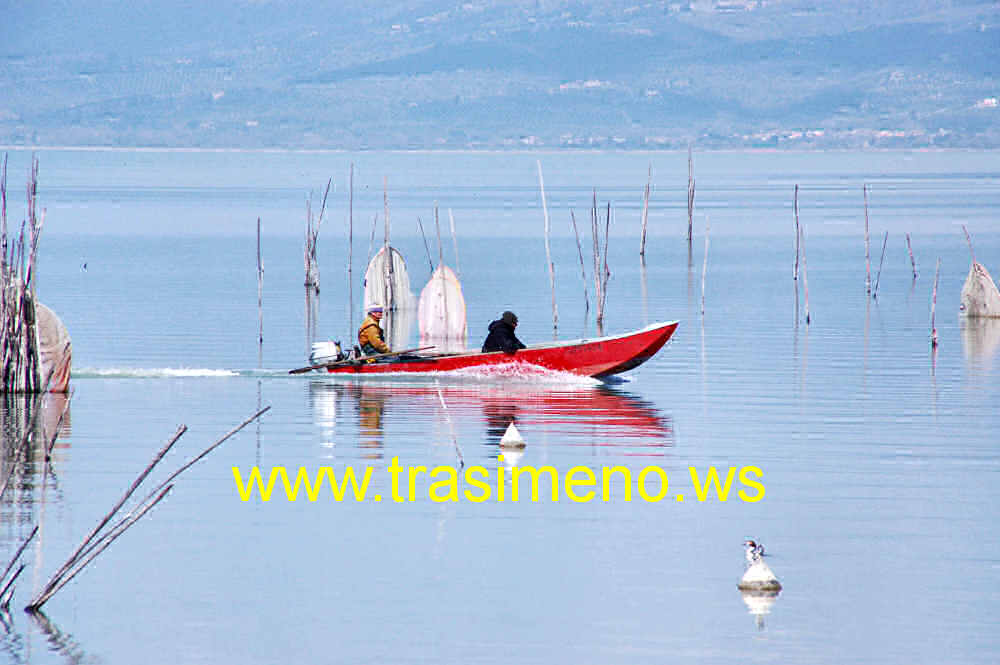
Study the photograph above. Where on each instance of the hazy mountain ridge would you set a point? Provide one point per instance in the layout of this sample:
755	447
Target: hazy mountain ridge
487	74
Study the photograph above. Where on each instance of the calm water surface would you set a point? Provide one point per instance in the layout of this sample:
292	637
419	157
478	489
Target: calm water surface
881	461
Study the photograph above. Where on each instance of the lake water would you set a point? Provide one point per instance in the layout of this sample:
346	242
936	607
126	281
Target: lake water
881	460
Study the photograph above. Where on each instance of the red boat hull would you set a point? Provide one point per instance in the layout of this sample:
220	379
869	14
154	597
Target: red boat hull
599	357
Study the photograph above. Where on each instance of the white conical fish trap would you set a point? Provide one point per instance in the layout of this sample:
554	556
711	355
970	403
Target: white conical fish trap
759	578
389	288
512	438
980	297
442	306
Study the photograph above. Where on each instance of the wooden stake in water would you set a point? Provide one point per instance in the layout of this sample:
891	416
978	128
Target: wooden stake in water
805	271
606	272
909	248
690	196
427	247
548	252
934	335
795	276
583	270
595	236
350	249
868	259
260	291
878	276
704	269
390	299
645	212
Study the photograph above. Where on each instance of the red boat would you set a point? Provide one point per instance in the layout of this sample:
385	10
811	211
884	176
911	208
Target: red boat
586	357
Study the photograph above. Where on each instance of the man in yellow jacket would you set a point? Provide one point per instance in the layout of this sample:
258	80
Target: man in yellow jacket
370	336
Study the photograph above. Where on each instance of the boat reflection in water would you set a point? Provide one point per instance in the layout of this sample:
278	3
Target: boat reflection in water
598	417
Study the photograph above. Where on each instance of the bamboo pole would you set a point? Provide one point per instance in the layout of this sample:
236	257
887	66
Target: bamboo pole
91	547
5	598
645	211
583	270
75	556
437	225
606	274
598	301
868	260
690	196
548	252
968	239
878	276
430	261
805	272
350	250
260	291
909	248
390	295
934	335
795	276
36	604
16	556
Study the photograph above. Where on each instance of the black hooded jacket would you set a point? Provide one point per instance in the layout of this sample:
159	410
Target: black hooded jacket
501	338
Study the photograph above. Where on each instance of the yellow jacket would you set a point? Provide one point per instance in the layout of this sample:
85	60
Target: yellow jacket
370	333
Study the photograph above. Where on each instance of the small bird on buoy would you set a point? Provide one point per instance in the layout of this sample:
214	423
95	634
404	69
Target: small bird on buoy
758	576
512	438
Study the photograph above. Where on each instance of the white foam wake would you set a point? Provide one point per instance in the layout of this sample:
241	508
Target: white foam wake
520	373
150	373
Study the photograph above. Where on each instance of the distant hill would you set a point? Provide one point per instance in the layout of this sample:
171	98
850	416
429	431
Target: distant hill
487	74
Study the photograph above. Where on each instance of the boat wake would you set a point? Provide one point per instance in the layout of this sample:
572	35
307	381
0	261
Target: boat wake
151	373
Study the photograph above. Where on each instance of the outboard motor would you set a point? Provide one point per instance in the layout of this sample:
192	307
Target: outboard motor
326	352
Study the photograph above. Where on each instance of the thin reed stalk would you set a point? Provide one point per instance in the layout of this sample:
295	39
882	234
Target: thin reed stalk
548	251
260	291
76	555
878	275
795	275
645	211
390	299
350	249
690	196
93	545
16	556
606	273
913	263
427	248
968	239
598	300
583	270
41	599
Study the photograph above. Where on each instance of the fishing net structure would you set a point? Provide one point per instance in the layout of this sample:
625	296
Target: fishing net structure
442	312
388	283
35	347
980	297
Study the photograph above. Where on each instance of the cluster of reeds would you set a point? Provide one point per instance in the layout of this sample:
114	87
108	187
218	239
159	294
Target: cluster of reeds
312	239
19	361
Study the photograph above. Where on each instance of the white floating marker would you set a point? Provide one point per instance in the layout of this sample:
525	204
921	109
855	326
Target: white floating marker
759	577
512	438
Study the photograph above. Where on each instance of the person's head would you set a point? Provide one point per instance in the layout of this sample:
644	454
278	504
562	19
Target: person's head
510	318
375	311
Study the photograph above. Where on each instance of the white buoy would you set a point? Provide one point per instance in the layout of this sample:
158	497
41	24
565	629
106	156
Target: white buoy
758	576
512	438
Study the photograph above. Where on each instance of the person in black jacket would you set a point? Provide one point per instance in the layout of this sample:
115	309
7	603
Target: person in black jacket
501	337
